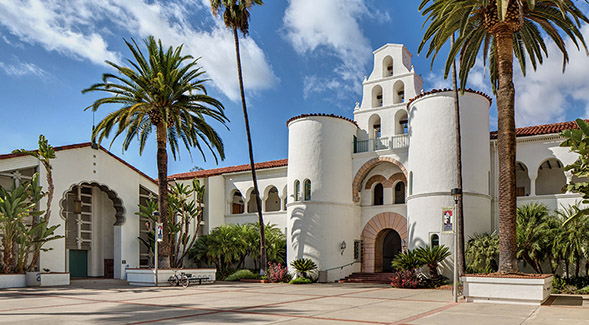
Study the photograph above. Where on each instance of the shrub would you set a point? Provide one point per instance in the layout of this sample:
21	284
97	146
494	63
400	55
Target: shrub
482	253
405	279
432	256
277	272
304	266
583	291
241	274
300	281
407	261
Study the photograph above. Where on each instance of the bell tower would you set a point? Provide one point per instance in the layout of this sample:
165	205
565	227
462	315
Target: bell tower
393	81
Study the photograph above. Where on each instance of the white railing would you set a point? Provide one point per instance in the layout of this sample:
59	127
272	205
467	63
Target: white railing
395	142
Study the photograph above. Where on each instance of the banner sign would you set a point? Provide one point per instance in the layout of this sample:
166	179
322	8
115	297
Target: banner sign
159	231
447	220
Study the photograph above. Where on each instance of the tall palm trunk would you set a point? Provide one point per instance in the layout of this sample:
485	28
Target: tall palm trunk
459	213
251	155
506	147
164	249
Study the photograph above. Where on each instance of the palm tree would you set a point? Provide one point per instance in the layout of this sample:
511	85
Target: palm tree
44	154
501	30
431	257
161	91
460	203
536	231
572	239
236	17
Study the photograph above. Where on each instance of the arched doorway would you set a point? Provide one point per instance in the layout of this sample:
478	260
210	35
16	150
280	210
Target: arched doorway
382	237
391	246
91	212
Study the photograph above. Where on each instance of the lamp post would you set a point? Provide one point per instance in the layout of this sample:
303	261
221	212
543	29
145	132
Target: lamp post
456	193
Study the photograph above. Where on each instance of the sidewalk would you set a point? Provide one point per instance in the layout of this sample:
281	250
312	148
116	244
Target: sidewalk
111	301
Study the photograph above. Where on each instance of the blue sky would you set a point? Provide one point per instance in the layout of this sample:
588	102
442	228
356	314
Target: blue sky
302	56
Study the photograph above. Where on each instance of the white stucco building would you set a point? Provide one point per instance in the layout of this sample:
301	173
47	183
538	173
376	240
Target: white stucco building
374	184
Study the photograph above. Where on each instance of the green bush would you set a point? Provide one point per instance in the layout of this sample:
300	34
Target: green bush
241	274
304	266
432	256
300	281
583	291
228	247
482	253
406	261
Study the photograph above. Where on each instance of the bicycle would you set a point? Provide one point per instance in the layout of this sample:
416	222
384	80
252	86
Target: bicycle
179	280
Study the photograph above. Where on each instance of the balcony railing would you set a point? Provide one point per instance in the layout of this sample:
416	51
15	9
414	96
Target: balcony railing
394	142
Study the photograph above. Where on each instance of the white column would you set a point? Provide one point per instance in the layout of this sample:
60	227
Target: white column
119	267
533	186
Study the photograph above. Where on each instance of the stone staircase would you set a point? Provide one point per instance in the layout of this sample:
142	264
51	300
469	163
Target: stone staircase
362	277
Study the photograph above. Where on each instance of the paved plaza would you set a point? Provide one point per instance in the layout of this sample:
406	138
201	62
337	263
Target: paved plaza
111	301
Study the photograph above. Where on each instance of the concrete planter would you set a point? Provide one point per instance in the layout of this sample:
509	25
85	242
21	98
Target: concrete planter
13	280
508	289
39	279
146	277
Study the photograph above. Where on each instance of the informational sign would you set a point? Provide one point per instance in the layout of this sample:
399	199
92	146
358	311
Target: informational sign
159	231
447	220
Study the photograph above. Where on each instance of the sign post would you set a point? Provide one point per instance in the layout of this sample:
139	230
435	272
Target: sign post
456	194
159	236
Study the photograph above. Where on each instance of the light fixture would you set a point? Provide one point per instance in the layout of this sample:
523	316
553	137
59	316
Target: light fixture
456	193
202	223
77	206
342	247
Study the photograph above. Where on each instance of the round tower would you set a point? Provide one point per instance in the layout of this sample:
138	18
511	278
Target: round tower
432	164
320	210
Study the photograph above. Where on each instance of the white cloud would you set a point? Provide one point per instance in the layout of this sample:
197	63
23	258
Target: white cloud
20	69
544	96
69	27
333	26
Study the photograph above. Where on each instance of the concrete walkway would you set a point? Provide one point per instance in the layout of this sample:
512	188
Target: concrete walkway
109	301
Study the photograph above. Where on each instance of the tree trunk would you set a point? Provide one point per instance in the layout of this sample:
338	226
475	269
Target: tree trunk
460	211
256	192
50	190
164	249
506	147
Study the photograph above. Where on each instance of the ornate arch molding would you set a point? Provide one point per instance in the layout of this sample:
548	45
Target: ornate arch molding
112	195
370	235
366	168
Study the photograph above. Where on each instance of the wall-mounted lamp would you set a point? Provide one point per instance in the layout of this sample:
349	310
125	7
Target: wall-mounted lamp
202	223
456	193
404	246
342	247
77	206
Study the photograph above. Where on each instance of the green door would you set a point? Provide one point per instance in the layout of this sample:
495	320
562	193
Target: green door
78	263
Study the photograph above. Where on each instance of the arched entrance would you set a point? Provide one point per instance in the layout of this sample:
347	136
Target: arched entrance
382	238
391	244
92	212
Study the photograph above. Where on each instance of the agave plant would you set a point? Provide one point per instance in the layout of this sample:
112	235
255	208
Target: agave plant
407	261
304	266
432	256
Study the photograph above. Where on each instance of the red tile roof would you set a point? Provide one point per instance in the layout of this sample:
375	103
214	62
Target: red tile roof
84	145
434	91
320	114
541	129
231	169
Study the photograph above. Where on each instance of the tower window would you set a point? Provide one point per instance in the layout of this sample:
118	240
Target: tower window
297	190
307	190
435	240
